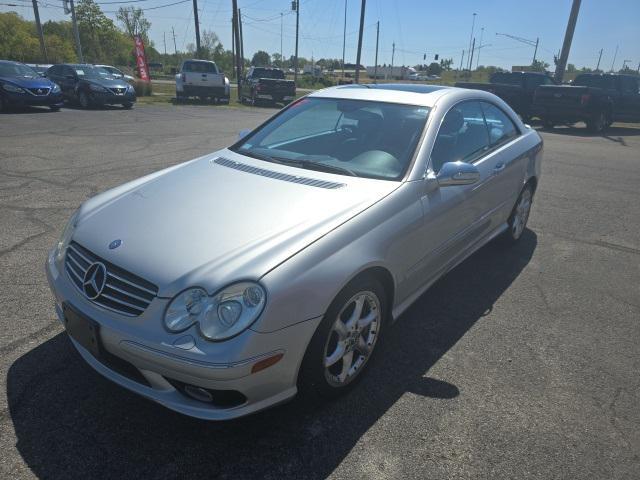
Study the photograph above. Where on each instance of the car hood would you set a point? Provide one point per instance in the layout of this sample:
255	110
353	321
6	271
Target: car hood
107	82
28	82
219	219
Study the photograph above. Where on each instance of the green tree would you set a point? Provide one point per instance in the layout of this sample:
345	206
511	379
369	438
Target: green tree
434	69
134	23
446	63
261	59
539	66
101	40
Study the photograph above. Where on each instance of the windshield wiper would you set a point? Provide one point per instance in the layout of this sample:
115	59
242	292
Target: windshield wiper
307	164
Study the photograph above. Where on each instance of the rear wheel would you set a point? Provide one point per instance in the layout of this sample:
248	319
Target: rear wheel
548	124
518	219
598	122
345	340
127	105
54	108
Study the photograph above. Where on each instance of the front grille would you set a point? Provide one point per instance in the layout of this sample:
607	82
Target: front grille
118	91
39	91
123	292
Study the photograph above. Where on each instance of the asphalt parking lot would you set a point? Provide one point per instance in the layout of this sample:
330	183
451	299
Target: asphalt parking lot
520	363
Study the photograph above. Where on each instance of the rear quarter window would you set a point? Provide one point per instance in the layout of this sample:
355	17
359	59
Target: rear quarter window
199	67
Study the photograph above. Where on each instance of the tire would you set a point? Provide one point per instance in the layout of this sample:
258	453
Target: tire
54	108
334	362
179	97
4	105
127	105
519	215
598	122
83	100
254	100
548	124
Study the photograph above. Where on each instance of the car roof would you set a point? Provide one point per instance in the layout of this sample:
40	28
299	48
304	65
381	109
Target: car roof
405	93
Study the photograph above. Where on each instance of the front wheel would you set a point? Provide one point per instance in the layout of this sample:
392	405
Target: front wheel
83	100
548	124
518	219
4	105
54	108
127	105
345	340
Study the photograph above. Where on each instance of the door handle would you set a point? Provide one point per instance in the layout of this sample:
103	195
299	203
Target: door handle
498	168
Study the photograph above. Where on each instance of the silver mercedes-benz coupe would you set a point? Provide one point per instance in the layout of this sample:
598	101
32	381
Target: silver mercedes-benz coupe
226	284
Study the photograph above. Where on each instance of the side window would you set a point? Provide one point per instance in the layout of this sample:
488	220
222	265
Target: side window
629	84
501	128
462	136
534	81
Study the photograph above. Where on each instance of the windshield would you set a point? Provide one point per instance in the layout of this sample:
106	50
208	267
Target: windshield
89	71
350	137
16	70
267	73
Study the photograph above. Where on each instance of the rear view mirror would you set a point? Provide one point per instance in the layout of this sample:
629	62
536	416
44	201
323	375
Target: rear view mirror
243	133
457	173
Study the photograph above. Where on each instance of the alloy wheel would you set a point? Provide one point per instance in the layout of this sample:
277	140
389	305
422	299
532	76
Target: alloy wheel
521	214
352	338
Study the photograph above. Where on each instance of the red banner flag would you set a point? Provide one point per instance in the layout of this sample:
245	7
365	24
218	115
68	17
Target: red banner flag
141	59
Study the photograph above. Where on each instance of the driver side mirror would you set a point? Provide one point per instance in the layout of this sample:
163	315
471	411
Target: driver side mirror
457	173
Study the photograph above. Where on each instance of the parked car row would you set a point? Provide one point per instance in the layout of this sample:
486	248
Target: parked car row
594	98
82	84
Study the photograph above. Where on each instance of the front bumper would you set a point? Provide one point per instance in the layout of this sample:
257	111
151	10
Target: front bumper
29	100
162	362
109	98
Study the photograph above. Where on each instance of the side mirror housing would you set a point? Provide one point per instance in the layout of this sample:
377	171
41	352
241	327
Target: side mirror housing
457	173
243	133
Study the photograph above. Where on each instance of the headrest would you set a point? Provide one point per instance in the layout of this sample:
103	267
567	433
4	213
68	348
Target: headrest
453	122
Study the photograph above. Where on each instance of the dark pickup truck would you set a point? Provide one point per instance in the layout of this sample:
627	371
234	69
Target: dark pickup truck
515	88
268	84
594	98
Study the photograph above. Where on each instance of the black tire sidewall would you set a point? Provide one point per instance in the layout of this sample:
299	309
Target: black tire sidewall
508	235
312	382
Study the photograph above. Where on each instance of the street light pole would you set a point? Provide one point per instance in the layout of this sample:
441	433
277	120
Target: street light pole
599	58
478	57
568	37
76	33
36	15
615	55
473	24
375	68
295	64
344	36
362	9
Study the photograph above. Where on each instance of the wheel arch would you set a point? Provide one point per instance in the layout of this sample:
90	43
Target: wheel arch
382	275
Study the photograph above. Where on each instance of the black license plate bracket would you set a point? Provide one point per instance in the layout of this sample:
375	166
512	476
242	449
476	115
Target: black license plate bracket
82	329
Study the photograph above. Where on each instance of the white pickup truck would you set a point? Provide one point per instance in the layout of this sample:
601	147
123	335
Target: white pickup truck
202	79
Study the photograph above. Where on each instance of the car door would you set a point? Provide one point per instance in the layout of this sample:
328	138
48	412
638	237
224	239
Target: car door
68	82
455	216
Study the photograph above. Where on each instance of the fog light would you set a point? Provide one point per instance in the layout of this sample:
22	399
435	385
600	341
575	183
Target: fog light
198	393
266	363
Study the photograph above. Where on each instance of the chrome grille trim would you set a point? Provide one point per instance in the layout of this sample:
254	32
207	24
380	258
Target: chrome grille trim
311	182
34	91
123	293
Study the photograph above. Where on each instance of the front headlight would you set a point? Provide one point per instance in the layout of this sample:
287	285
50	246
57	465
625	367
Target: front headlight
220	316
96	88
65	238
12	88
56	88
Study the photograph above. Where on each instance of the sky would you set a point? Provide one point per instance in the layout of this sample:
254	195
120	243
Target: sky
415	26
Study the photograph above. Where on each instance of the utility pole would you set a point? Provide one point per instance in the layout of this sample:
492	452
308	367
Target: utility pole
75	32
344	36
241	45
164	39
479	48
393	54
638	70
568	37
233	43
296	3
473	47
195	18
175	48
461	61
281	58
473	24
375	68
599	58
364	4
615	55
236	37
36	14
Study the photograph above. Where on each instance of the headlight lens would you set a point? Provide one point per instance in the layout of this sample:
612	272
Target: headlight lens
65	238
220	316
55	88
96	88
12	88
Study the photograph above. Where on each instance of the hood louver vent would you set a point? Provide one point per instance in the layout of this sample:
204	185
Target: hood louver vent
311	182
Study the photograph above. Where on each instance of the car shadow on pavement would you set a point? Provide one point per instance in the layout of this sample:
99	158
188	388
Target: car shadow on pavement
71	423
26	111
